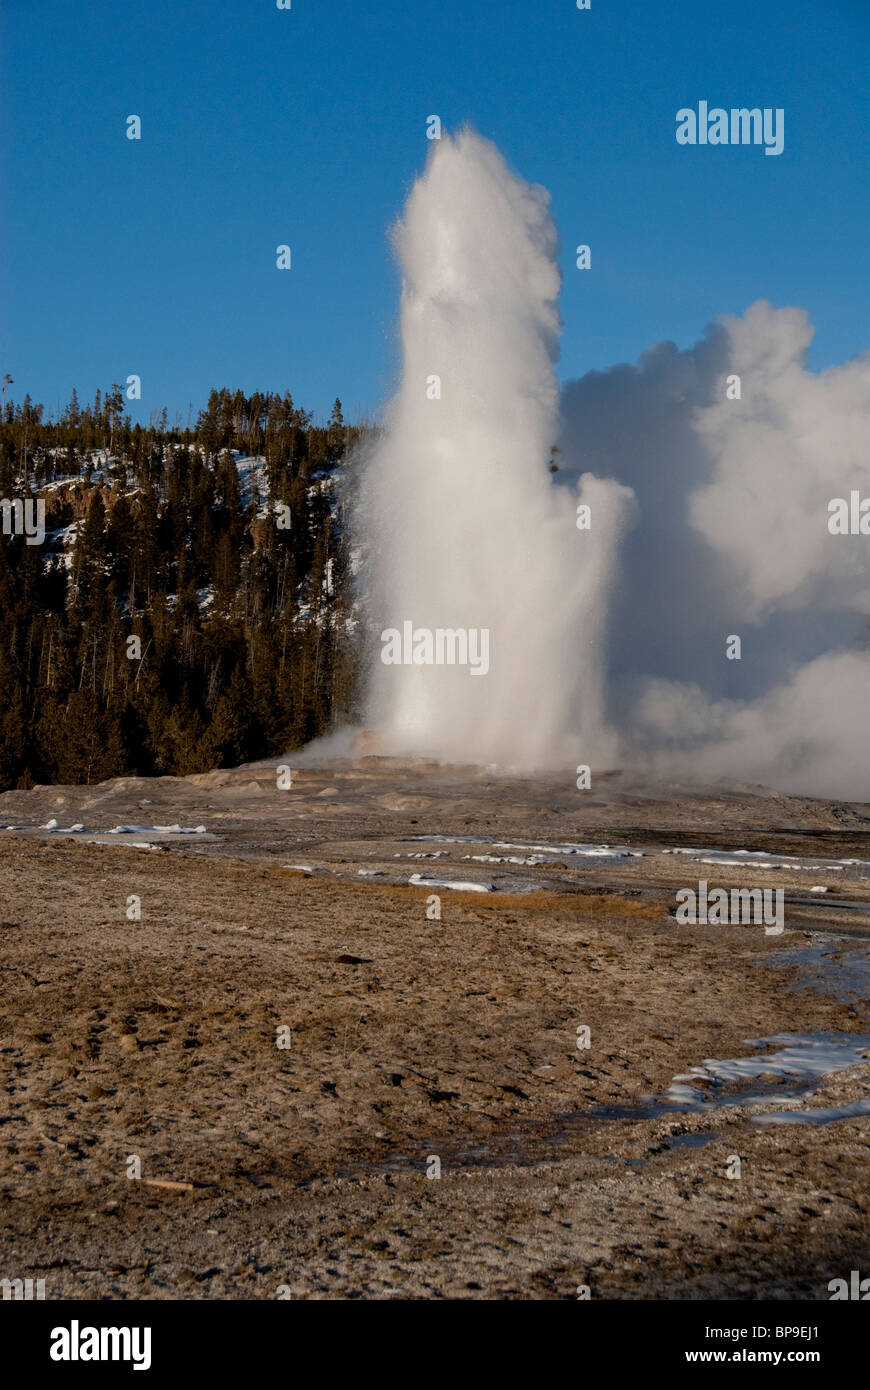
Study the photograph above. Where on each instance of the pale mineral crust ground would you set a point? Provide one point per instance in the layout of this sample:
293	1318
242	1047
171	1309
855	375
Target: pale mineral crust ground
413	1038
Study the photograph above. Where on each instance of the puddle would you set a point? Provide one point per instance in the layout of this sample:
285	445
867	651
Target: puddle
827	967
801	1058
691	1141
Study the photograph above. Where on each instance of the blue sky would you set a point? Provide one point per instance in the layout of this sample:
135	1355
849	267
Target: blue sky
307	126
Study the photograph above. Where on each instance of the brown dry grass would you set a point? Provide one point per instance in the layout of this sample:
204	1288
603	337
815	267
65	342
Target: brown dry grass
544	900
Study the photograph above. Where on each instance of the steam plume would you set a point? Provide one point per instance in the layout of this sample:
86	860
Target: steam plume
462	525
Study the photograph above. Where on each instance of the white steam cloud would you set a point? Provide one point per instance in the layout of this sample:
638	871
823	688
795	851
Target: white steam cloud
709	518
733	539
793	442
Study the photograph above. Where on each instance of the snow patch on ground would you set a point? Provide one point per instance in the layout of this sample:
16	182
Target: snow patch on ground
506	859
253	484
610	852
423	881
759	860
802	1057
155	830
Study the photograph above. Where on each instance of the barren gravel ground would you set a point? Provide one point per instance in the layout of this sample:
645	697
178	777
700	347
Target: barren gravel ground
412	1038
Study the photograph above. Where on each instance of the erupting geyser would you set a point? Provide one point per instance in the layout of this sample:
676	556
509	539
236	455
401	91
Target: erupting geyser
461	527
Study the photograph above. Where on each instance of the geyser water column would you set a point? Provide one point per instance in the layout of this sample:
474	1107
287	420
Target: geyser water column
458	521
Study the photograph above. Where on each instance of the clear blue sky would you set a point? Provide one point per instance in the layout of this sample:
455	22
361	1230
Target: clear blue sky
307	126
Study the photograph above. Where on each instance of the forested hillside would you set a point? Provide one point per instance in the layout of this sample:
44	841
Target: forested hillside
180	538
